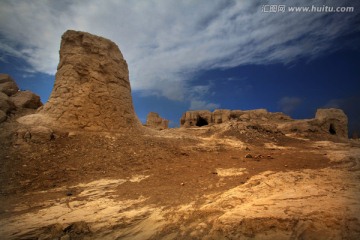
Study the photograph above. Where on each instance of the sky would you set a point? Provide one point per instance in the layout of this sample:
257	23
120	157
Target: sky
201	54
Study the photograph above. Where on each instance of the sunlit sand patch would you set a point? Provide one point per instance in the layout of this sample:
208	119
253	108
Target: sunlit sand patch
296	136
224	141
138	178
338	152
99	187
274	146
93	202
232	143
98	213
230	172
91	190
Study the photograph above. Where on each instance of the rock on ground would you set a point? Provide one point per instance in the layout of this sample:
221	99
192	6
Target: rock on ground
26	99
5	104
2	116
8	85
36	134
12	100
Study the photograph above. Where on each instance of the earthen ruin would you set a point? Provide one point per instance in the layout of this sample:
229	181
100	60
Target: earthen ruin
154	120
92	89
327	121
70	171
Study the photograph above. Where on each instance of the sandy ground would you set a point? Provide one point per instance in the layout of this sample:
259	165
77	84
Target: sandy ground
179	184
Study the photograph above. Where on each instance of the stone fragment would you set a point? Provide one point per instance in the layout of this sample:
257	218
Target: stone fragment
41	134
5	78
26	99
5	104
35	134
9	87
2	116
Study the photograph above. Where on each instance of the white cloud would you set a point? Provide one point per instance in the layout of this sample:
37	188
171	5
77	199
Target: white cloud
166	42
334	103
9	50
289	104
202	105
197	93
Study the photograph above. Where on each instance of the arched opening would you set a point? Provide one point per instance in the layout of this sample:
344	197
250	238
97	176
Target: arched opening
332	129
201	122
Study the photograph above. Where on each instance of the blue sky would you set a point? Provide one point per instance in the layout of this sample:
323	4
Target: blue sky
200	54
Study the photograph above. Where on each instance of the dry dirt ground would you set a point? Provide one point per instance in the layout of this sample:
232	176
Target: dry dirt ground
191	183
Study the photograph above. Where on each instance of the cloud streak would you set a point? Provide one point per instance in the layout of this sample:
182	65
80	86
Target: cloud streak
167	42
289	104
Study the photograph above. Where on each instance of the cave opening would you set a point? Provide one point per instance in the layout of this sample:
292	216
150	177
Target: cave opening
201	122
332	129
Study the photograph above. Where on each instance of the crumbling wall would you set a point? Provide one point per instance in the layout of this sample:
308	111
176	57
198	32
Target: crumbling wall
331	121
92	89
196	118
154	120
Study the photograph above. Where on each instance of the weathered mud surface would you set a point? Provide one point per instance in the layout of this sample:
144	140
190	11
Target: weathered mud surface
191	183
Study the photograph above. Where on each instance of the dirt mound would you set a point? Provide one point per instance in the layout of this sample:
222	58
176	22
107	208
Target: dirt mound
156	187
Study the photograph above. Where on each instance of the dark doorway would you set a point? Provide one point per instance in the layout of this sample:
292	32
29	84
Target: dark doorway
332	129
201	122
